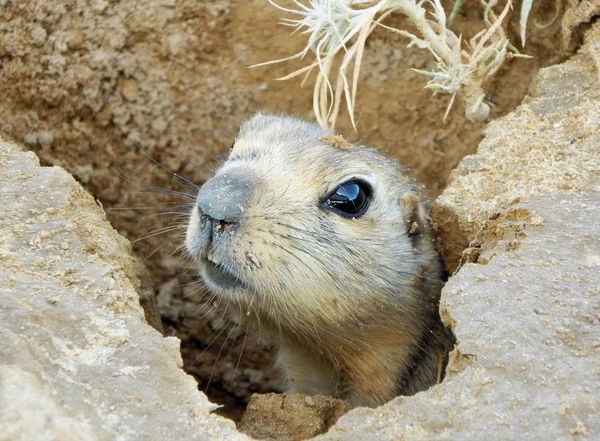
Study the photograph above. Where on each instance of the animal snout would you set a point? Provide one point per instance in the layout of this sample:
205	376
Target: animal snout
224	197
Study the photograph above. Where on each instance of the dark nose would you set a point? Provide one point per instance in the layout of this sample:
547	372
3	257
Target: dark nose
225	196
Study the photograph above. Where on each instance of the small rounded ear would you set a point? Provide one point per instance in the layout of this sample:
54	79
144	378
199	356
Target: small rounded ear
415	216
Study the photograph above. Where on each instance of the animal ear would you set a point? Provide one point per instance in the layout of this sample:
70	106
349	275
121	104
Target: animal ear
415	216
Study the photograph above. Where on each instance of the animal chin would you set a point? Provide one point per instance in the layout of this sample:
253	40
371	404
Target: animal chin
217	276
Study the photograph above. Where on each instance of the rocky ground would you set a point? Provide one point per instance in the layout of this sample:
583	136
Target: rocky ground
78	360
89	85
84	83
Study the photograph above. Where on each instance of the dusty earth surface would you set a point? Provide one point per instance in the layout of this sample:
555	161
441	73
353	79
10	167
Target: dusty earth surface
85	83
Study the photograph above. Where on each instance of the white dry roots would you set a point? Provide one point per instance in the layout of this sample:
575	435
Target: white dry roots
342	26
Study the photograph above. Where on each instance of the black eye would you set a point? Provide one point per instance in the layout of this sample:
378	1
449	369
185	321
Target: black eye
350	199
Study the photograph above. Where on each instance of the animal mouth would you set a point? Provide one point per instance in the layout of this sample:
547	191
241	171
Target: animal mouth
219	276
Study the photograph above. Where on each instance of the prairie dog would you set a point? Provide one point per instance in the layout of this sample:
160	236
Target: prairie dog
328	245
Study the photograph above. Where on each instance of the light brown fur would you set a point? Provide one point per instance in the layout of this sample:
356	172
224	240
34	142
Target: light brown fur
353	301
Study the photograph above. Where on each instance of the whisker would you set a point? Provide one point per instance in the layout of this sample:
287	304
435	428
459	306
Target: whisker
183	285
187	270
208	345
147	208
215	337
176	214
152	253
237	365
200	288
211	304
237	326
179	249
183	181
155	189
159	232
214	306
218	356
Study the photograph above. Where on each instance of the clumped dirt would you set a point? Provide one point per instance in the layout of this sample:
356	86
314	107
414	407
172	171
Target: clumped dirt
87	85
290	417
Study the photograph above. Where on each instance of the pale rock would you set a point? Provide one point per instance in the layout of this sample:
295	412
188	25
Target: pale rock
78	360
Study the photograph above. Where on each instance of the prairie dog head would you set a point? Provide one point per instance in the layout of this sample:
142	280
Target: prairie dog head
311	231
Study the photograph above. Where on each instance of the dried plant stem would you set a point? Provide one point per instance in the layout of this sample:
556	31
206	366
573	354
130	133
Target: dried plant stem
341	28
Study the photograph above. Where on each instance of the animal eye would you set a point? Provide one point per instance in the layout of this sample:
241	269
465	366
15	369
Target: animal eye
350	199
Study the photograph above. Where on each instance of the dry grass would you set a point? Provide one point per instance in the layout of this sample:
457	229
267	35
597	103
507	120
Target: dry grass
340	28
